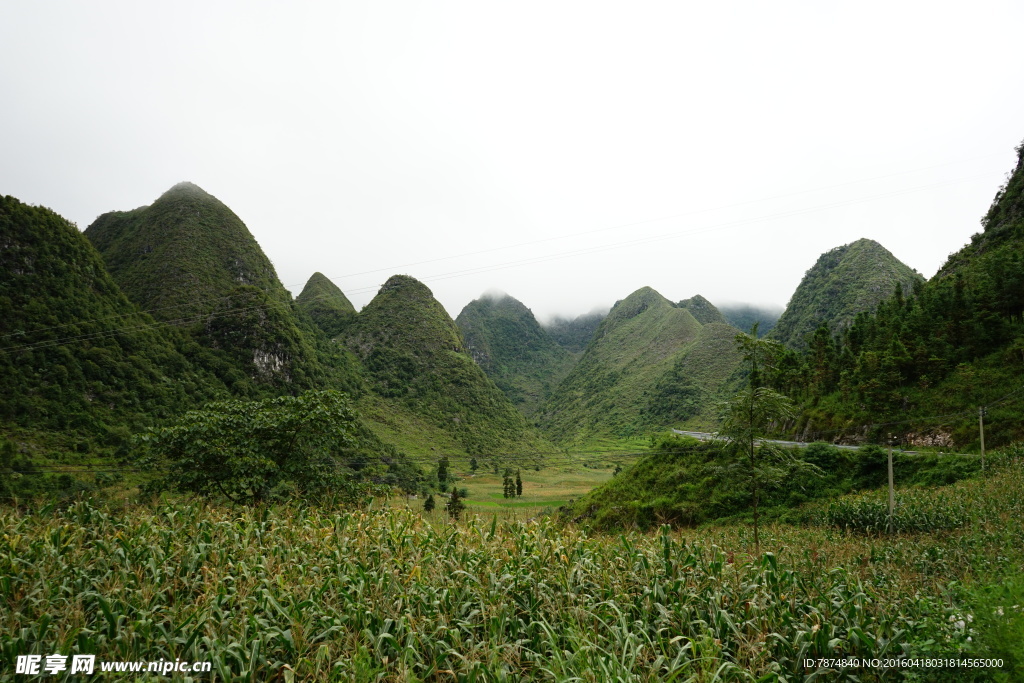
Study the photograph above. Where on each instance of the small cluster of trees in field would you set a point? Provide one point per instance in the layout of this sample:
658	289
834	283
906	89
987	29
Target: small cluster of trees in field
512	488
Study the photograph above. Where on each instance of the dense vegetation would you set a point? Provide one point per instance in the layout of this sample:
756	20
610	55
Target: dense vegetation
844	282
511	347
312	445
650	364
927	359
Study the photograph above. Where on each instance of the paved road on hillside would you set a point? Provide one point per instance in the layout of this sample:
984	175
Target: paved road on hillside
708	436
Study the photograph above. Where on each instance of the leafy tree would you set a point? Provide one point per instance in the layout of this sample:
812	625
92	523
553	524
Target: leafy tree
245	450
748	417
429	504
473	464
442	470
519	484
455	506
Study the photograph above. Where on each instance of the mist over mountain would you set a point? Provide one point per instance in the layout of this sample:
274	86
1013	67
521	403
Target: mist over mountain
743	316
505	339
573	334
843	283
703	310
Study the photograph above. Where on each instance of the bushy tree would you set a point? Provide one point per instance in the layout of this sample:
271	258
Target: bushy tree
429	504
244	450
455	505
519	484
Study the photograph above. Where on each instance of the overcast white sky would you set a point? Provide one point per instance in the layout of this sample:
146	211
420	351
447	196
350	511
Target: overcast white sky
715	148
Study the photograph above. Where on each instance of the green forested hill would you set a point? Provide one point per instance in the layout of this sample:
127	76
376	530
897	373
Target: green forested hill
513	350
931	357
325	303
75	353
651	364
190	260
415	359
845	281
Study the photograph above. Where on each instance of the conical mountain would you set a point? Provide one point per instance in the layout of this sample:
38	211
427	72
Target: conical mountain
75	354
188	258
703	310
650	365
511	347
182	254
843	283
415	357
325	303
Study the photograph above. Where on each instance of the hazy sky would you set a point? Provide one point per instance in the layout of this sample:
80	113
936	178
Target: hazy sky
567	153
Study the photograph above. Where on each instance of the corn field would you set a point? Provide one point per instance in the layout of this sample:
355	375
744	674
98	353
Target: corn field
295	593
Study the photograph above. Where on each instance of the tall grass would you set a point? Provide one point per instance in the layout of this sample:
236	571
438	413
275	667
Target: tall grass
294	593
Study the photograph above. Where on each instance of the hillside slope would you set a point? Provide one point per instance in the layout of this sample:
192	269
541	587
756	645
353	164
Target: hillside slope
507	342
180	255
650	364
844	282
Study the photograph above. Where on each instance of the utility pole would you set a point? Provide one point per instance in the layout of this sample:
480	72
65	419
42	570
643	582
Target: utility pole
981	430
892	497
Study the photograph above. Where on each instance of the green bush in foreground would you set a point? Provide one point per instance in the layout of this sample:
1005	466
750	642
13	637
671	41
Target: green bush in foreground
248	450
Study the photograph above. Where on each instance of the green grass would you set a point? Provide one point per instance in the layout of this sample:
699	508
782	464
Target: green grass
543	491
